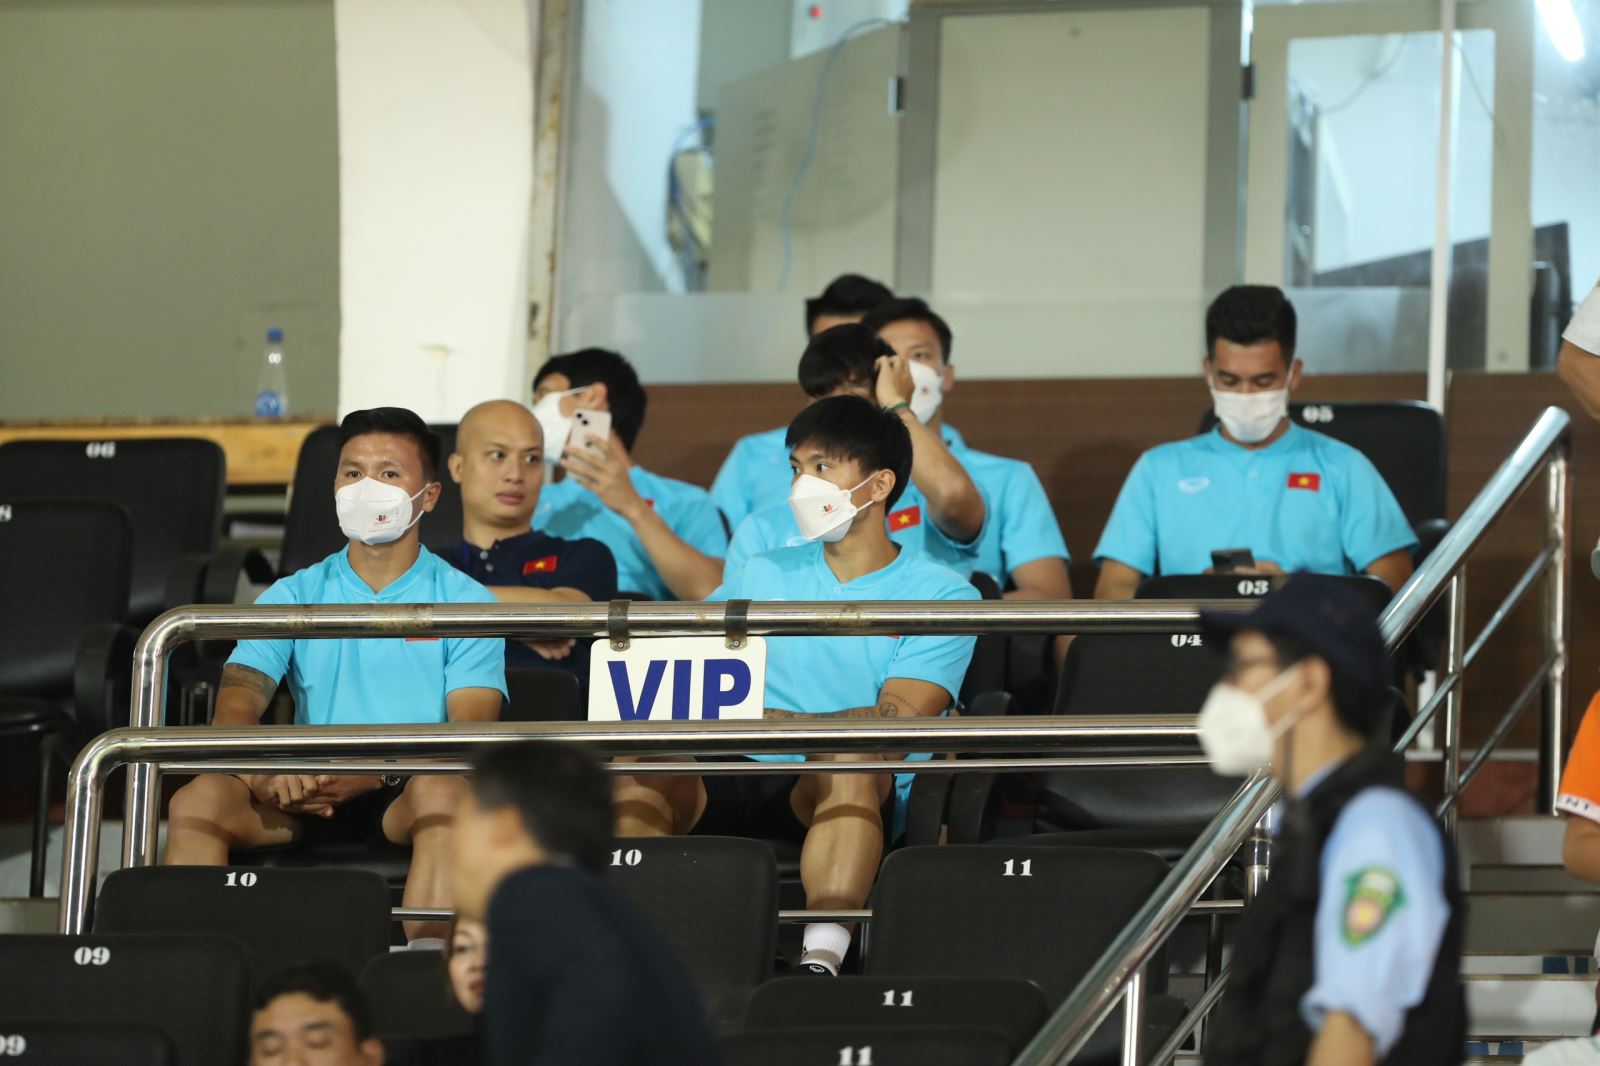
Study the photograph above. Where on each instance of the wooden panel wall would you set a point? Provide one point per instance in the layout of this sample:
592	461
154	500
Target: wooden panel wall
1082	436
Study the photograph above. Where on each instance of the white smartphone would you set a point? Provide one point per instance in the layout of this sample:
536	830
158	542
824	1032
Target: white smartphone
589	427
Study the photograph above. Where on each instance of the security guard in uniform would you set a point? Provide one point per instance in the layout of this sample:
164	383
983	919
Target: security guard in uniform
1351	954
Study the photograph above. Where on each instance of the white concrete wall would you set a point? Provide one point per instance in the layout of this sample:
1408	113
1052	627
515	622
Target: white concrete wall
435	158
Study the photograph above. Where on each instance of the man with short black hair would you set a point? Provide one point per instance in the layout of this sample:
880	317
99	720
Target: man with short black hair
851	461
665	535
1293	498
313	1015
499	464
1022	545
846	299
940	512
576	974
1351	954
386	481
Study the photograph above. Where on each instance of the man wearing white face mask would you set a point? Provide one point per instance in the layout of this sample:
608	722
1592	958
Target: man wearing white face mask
665	534
387	480
1351	954
850	460
1294	498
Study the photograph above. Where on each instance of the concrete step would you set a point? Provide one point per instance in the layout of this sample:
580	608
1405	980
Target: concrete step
1512	1006
1522	840
1533	923
1497	877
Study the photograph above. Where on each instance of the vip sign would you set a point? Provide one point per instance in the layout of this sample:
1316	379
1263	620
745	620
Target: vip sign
684	679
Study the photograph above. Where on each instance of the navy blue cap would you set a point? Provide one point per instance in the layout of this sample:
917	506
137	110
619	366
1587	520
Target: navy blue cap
1326	615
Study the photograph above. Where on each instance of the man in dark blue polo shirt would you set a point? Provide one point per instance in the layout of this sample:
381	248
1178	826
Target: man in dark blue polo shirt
499	464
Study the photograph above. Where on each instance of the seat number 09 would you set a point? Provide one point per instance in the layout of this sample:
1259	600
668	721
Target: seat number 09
13	1045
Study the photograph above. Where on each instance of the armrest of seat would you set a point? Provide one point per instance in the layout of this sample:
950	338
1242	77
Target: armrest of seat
102	677
1429	533
925	808
989	705
222	572
186	579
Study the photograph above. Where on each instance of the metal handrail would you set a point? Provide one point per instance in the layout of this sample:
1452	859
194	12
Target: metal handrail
1544	451
446	748
544	620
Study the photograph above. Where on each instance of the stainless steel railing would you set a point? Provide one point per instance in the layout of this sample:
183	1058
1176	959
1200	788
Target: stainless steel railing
416	749
1543	453
184	624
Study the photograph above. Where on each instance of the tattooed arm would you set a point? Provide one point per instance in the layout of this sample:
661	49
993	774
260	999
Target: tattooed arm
900	698
243	695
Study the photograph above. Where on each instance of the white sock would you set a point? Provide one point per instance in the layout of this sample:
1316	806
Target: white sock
825	944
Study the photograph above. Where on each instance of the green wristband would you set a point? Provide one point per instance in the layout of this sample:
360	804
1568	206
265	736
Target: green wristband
903	404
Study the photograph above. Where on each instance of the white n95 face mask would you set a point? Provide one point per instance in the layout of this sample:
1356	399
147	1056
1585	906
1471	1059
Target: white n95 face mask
1250	416
557	426
822	510
927	391
1233	728
373	512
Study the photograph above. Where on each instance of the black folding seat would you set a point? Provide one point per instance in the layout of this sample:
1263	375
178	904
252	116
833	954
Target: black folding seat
1404	439
172	490
192	987
311	529
1246	586
987	670
715	899
868	1047
542	694
80	1044
64	569
1009	1005
410	996
282	916
1042	914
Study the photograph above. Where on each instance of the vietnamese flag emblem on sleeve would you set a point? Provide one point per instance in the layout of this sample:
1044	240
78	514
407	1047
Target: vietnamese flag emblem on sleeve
1309	482
905	518
547	565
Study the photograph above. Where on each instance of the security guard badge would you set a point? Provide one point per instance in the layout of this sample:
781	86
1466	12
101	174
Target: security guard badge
1372	895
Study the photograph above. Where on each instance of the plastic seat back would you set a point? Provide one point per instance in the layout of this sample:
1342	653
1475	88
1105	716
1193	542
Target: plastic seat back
282	916
1010	1005
85	1044
868	1047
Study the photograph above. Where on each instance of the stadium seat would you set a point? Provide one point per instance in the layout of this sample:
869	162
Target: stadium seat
1241	586
542	694
715	899
281	916
192	987
64	672
172	490
80	1044
1009	1005
410	996
848	1046
1404	439
311	529
987	670
1042	914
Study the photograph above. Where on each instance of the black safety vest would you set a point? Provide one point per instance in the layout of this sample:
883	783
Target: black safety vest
1258	1021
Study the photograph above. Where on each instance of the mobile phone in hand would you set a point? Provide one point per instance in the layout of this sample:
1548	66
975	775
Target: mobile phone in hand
589	428
1228	560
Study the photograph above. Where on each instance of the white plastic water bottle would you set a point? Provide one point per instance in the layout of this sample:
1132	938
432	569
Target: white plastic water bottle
272	387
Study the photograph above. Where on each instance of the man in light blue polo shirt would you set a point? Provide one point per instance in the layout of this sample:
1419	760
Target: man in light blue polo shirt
1295	499
386	482
1021	546
941	512
756	471
666	535
850	459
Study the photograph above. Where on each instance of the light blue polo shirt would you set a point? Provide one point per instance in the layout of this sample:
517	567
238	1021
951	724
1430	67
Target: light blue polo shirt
567	509
756	472
1020	526
1305	502
821	675
377	680
773	527
1381	915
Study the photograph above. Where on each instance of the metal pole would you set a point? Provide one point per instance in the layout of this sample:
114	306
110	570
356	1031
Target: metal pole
141	808
1454	652
1257	855
1439	269
1133	1020
1557	628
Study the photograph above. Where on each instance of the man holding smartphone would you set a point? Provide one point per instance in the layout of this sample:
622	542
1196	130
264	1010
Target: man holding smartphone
666	535
1267	495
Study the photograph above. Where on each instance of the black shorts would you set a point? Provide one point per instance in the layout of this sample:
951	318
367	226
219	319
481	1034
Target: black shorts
754	805
359	821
